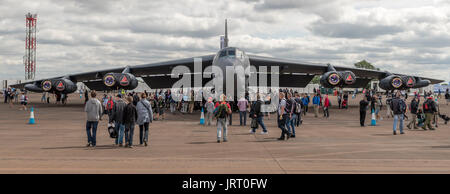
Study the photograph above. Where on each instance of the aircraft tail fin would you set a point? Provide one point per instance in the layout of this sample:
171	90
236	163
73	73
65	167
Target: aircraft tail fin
226	34
224	38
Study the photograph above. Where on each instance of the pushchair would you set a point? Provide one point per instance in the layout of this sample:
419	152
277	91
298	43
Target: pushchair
444	117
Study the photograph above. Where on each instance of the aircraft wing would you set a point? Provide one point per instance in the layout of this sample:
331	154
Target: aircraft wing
299	74
156	75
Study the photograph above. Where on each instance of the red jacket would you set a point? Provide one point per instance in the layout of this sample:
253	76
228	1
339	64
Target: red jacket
327	102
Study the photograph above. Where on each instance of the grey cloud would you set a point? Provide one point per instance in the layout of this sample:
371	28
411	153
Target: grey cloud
432	41
350	30
329	10
290	4
77	36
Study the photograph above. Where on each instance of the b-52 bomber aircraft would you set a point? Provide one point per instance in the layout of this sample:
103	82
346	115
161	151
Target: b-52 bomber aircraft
292	73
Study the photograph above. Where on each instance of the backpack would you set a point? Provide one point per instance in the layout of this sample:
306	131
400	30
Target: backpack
298	108
289	104
222	111
402	106
109	105
426	105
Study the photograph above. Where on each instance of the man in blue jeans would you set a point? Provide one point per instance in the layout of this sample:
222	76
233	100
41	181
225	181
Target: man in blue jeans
117	117
282	117
256	113
398	106
94	112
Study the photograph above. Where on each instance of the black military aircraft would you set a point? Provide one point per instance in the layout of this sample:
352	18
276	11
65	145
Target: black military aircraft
292	73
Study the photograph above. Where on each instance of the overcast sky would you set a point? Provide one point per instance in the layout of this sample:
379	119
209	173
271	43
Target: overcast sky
402	36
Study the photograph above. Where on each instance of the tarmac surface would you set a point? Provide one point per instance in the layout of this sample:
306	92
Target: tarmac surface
56	144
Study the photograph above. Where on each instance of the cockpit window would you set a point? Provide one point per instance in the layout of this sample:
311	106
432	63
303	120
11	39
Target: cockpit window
223	53
232	53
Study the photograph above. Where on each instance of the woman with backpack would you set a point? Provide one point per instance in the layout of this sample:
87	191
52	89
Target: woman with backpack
221	112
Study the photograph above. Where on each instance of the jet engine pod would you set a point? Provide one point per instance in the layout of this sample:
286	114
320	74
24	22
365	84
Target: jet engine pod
333	79
409	81
47	85
120	81
349	77
392	82
61	85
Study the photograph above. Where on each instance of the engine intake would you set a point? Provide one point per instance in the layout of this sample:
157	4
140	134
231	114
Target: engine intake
396	82
125	81
333	79
61	85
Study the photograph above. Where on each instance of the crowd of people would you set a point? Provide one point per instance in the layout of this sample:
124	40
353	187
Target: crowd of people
425	116
125	110
13	95
124	113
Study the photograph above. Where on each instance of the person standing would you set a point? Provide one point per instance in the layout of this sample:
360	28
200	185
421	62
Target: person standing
10	94
298	109
379	107
144	118
191	102
291	120
86	96
105	103
161	107
388	106
24	101
282	118
109	106
129	120
362	111
16	95
345	100
305	101
172	103
242	105
117	117
43	98
326	107
316	103
414	108
429	108
339	98
93	109
436	113
5	95
135	99
256	113
447	96
209	107
398	106
221	112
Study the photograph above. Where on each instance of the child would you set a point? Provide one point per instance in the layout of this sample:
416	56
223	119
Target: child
23	101
420	118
